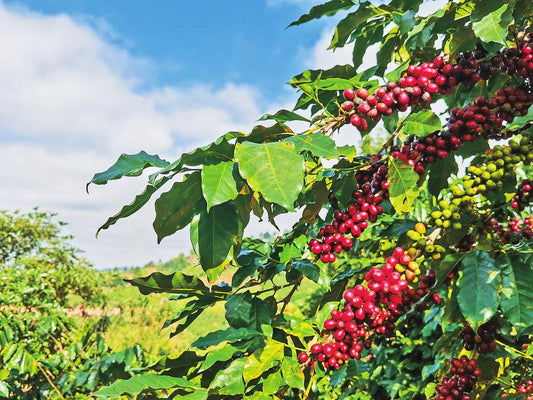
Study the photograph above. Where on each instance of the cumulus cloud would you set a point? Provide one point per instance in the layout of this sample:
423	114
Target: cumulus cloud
70	104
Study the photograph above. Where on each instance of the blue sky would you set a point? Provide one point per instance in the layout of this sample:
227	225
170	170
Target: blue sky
84	81
211	41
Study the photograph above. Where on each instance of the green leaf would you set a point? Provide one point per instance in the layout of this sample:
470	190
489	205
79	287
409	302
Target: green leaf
173	283
219	150
283	116
238	309
128	165
402	185
307	268
439	174
261	313
223	354
218	183
229	335
4	389
492	27
175	209
477	296
348	24
274	169
520	122
293	375
262	360
137	203
218	231
462	39
317	143
328	8
138	383
517	297
421	123
468	149
198	394
229	380
273	382
448	264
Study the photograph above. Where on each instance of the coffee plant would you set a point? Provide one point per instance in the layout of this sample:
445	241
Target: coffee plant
413	258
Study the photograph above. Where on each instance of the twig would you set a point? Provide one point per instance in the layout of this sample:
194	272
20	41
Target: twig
287	298
45	373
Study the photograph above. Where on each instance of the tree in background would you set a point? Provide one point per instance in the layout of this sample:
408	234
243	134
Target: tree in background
45	353
414	255
38	264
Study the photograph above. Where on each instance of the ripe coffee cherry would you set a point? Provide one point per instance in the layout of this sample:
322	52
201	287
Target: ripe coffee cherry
349	94
362	94
303	357
348	106
403	98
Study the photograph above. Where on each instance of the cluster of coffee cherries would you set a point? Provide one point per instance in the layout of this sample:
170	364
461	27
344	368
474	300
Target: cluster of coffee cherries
523	147
421	245
369	309
517	230
420	82
507	157
335	237
448	215
485	117
523	388
484	339
523	196
465	373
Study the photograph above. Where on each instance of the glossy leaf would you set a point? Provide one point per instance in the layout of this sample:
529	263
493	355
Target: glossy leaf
283	116
421	123
439	174
328	8
293	375
348	24
137	203
136	384
219	150
175	209
517	297
463	39
218	183
520	122
308	269
317	143
272	383
229	380
468	149
477	296
223	354
129	165
273	169
403	188
262	360
492	27
238	309
173	283
227	335
218	231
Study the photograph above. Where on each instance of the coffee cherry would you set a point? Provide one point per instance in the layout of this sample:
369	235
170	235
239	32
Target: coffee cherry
349	94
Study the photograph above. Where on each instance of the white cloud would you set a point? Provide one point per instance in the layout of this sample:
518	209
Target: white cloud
69	106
